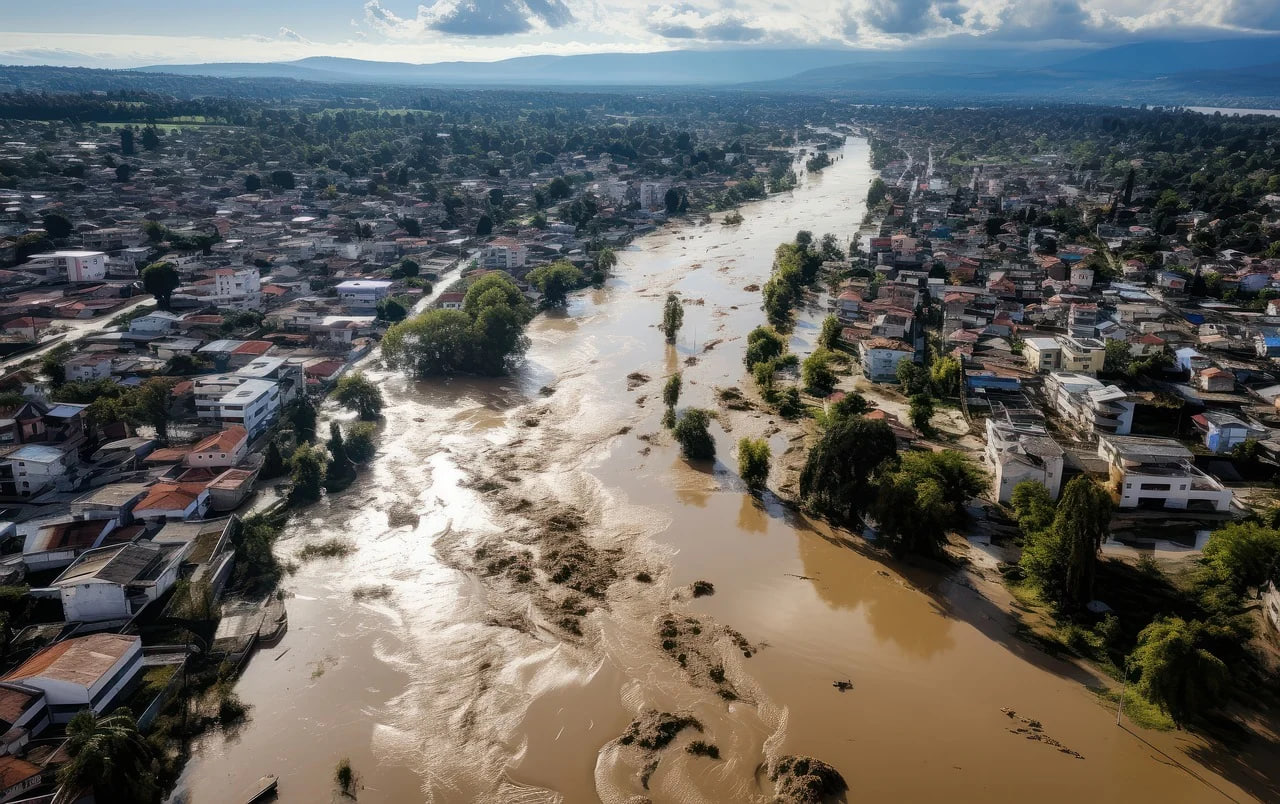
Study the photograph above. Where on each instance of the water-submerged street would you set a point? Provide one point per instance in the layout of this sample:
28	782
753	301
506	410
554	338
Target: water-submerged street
446	677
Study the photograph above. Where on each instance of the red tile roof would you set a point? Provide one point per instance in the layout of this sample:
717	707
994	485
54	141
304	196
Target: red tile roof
226	441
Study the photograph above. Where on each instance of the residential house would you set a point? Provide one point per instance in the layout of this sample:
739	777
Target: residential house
117	582
1157	473
26	470
880	357
503	254
1019	448
173	500
1089	404
69	266
88	672
1224	431
1082	355
222	450
362	294
24	714
1042	354
88	367
1215	380
1267	342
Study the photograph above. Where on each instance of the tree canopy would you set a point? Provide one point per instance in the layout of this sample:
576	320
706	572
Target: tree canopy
556	281
356	392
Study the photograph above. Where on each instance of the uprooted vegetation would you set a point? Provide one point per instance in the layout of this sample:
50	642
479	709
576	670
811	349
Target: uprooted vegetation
804	780
653	730
692	645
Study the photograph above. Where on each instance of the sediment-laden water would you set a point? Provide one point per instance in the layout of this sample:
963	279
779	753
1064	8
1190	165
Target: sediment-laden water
506	643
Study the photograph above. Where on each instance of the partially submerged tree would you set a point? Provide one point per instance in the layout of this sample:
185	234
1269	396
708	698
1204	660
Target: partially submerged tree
837	475
1177	671
763	344
817	374
693	433
1063	558
829	337
753	462
356	392
672	317
556	281
307	468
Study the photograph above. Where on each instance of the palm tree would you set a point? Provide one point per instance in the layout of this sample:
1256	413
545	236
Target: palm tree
109	756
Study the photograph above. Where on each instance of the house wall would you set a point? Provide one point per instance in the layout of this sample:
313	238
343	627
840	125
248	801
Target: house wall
91	602
882	364
215	458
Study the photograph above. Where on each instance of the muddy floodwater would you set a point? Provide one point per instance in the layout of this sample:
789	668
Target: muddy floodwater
487	638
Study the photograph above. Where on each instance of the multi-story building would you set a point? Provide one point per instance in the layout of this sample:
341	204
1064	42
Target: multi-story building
1089	404
1019	448
503	254
653	194
1042	354
1082	320
1157	473
1082	355
881	356
69	266
232	399
237	288
362	294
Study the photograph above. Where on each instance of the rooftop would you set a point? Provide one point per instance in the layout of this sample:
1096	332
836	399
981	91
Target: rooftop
83	660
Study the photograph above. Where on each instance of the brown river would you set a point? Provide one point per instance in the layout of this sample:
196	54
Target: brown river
441	657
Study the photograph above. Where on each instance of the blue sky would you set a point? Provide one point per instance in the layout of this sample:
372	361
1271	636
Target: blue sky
135	32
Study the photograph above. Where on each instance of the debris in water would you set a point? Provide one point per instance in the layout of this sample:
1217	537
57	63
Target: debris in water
1034	730
843	686
703	588
636	379
653	730
805	780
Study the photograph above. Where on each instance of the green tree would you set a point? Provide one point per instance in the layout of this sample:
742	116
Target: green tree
924	496
302	415
606	259
360	442
693	435
556	281
53	365
356	392
1063	559
339	471
877	192
1117	358
307	469
817	374
126	142
1177	670
123	172
272	461
161	279
944	375
672	317
1032	505
912	377
753	462
671	391
484	226
829	337
763	344
391	310
282	179
921	412
829	248
406	268
779	297
1244	555
109	756
837	476
57	226
252	183
150	138
149	404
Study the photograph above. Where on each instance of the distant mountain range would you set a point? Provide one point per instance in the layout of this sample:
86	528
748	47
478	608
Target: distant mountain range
1232	72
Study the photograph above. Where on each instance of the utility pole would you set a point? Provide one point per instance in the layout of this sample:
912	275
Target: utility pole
1124	686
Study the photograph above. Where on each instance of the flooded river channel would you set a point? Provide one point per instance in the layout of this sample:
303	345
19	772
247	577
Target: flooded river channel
503	516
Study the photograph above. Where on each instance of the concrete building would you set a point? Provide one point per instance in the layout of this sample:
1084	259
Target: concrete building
653	194
503	254
237	288
1089	404
880	358
221	450
1082	320
88	672
69	266
86	368
117	582
1082	355
231	399
1157	473
28	469
362	294
1224	431
1019	448
1042	354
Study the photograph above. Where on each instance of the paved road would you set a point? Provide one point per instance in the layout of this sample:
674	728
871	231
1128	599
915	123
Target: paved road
79	328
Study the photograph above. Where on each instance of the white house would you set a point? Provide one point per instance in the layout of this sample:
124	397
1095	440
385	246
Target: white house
28	469
363	294
503	254
1157	473
88	672
1089	404
881	356
117	582
159	322
1019	448
88	367
221	450
234	399
237	288
72	266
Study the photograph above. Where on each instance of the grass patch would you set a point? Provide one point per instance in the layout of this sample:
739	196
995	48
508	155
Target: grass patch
329	548
1136	708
